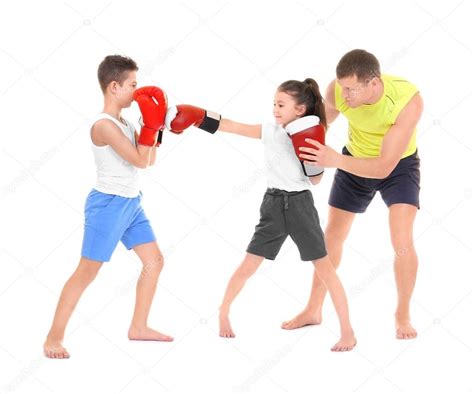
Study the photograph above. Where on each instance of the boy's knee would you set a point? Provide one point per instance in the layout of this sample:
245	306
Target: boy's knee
86	275
155	264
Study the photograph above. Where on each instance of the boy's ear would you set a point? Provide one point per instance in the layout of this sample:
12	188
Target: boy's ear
112	88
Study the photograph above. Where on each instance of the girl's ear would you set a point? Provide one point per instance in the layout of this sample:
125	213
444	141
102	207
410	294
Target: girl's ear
300	109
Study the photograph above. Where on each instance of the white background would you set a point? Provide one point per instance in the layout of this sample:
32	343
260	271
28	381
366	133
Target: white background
203	196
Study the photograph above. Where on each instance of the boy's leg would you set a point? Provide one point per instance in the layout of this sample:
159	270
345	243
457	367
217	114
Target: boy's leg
81	278
327	274
401	218
152	260
246	269
339	224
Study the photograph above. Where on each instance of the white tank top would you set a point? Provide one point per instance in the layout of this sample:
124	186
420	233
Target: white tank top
114	174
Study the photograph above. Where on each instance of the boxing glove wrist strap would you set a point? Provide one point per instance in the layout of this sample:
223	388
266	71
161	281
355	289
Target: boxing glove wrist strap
211	122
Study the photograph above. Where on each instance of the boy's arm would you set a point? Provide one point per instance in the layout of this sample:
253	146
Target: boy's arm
251	131
153	151
153	156
105	132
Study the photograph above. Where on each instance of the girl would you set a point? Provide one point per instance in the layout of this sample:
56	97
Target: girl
288	206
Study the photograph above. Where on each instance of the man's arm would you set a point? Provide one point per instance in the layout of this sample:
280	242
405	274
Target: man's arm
330	103
394	144
105	132
251	131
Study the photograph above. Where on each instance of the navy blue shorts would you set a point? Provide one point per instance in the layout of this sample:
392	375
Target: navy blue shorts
354	193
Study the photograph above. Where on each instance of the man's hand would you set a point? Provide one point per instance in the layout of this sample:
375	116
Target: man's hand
321	155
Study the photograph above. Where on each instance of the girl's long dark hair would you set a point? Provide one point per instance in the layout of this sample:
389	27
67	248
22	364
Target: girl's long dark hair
307	93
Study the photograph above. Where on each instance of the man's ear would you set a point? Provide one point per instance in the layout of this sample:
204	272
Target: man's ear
375	81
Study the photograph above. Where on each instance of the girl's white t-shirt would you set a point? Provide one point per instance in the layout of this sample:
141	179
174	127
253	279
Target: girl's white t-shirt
282	166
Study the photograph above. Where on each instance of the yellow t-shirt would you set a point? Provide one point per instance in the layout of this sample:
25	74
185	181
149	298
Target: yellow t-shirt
369	122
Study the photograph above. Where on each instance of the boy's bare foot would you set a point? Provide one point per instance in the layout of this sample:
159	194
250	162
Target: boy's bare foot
345	344
404	329
225	329
147	334
305	318
53	348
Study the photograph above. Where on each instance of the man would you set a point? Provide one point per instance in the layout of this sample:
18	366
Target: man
381	155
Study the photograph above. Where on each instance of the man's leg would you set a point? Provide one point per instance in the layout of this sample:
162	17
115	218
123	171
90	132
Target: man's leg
72	291
401	219
326	272
245	270
152	261
339	224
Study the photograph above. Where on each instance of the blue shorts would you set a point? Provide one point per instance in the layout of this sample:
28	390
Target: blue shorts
354	193
109	219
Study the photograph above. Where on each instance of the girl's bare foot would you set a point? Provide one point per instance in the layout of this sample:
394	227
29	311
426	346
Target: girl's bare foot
147	334
53	348
305	318
225	329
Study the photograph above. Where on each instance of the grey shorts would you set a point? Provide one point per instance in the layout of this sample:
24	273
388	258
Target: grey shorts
285	213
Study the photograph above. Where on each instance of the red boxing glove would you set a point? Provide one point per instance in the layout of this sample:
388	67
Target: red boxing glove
306	127
182	116
153	104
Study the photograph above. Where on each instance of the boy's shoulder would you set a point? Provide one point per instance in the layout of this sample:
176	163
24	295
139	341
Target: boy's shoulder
103	124
104	130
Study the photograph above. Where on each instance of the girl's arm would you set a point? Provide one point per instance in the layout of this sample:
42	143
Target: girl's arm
316	179
246	130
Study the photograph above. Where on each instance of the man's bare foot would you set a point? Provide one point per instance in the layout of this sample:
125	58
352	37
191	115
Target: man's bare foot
147	334
345	344
225	329
53	348
305	318
404	329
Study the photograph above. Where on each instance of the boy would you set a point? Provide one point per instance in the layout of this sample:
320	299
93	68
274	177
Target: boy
113	211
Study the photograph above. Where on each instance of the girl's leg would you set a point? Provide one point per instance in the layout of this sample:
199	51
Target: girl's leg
337	230
246	269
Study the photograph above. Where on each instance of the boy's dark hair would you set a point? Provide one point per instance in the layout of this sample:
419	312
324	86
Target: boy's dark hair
115	68
360	63
306	92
